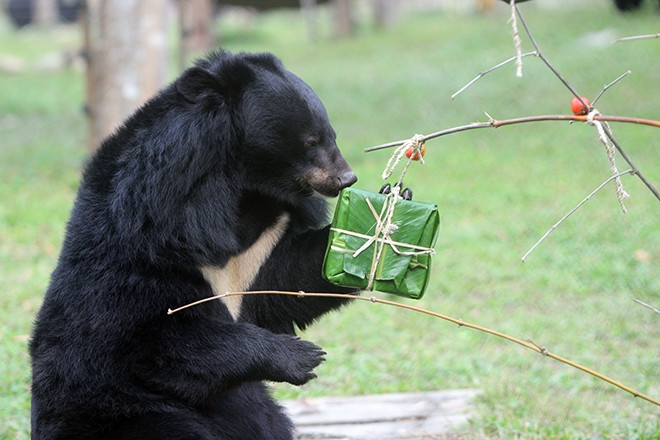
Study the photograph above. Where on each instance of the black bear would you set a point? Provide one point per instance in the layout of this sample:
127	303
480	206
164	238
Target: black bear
210	187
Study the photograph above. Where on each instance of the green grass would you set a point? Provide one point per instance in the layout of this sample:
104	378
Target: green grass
498	191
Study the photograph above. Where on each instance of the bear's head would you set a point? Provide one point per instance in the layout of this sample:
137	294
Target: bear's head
231	127
283	139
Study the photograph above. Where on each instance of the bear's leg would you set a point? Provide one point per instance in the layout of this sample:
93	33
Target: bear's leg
171	425
246	412
200	359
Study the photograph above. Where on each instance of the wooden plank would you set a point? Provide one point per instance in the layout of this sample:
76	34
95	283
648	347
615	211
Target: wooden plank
385	416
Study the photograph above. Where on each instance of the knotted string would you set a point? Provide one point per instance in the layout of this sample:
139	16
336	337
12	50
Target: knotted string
384	225
382	236
516	39
416	142
621	194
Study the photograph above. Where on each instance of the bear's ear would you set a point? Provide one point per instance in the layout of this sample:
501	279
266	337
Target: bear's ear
228	83
194	82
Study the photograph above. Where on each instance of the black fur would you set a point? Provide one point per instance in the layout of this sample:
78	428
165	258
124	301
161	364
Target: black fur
627	5
190	180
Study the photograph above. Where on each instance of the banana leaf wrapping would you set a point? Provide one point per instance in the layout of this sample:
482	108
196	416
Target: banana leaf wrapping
366	252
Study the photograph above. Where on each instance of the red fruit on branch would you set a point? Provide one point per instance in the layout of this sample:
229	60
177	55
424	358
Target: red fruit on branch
578	108
414	155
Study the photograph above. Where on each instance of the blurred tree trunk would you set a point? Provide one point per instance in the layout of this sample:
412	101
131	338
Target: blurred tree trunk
45	12
126	47
344	19
308	8
386	12
196	23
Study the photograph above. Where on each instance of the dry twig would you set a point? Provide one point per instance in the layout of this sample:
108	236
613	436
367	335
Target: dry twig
646	305
497	66
606	87
556	225
636	37
527	344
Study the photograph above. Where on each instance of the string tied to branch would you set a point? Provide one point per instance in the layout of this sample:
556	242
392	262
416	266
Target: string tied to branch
516	39
621	194
416	143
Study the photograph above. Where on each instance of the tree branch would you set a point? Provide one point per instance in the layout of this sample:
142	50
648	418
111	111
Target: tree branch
493	123
556	225
637	37
527	344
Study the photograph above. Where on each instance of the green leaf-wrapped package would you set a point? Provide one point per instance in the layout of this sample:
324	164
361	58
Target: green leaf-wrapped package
354	257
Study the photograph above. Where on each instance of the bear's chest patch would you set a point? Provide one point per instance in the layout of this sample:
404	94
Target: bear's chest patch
241	270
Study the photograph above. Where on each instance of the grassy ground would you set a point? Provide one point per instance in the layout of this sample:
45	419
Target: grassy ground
498	191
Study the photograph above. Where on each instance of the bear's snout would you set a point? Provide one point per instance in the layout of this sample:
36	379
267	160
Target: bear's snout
343	178
330	174
329	184
347	179
345	175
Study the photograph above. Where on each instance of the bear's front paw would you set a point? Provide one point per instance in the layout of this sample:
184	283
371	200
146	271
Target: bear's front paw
295	361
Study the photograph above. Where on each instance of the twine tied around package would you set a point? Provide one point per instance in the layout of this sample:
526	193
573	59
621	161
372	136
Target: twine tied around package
621	194
381	236
384	220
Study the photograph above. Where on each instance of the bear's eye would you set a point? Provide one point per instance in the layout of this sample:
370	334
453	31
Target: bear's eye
312	142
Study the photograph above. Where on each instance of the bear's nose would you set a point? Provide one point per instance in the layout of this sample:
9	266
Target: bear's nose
347	179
